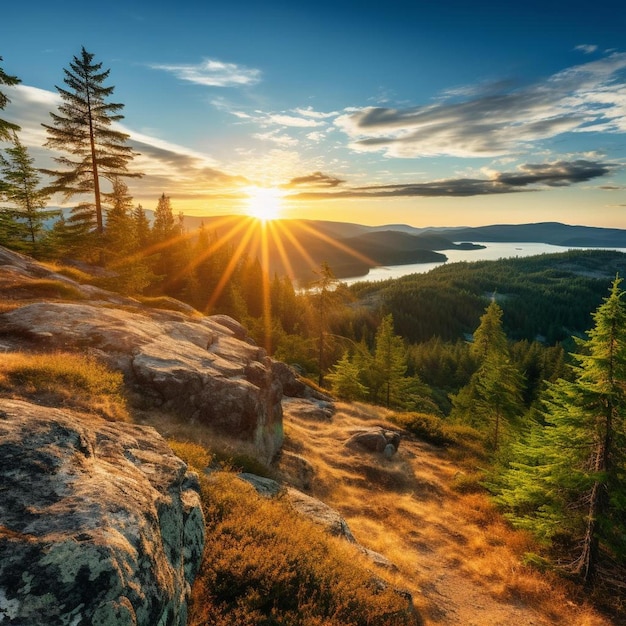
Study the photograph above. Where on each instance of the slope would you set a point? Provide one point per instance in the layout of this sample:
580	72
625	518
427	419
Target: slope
452	550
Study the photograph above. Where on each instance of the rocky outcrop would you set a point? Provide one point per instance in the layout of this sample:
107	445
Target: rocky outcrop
100	523
204	368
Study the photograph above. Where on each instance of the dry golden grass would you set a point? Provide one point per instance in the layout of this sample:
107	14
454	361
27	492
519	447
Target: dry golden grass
454	552
64	379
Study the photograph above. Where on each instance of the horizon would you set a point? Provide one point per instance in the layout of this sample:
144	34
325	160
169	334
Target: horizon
408	115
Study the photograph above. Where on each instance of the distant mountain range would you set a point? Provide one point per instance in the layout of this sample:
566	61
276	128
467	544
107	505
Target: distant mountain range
352	249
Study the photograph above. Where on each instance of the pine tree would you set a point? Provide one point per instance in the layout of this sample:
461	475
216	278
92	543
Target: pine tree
344	378
323	303
24	193
569	477
121	251
390	362
141	227
492	397
6	128
82	128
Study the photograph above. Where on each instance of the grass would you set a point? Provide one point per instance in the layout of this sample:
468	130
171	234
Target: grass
43	288
265	565
65	379
70	272
452	548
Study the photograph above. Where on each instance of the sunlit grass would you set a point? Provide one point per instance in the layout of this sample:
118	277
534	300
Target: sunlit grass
42	288
439	522
264	564
64	379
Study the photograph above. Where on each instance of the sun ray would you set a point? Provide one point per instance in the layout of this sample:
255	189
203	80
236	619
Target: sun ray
230	268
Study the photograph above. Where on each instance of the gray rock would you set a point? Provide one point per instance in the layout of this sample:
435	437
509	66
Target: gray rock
308	408
194	366
375	440
263	486
300	471
101	523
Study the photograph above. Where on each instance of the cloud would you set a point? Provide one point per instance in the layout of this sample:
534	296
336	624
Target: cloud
309	112
167	167
275	137
291	120
499	120
556	174
213	73
317	179
586	48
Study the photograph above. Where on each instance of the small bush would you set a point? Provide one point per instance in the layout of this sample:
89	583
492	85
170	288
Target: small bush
426	427
470	482
195	455
65	379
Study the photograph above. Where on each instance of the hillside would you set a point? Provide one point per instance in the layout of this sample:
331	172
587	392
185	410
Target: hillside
419	542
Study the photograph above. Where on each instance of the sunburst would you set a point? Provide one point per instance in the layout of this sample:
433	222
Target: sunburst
264	203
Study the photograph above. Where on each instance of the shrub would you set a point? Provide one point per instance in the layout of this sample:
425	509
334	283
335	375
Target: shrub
424	426
266	565
195	455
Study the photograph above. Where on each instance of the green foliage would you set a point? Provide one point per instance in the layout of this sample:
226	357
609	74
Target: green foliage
28	201
6	128
424	426
492	397
568	474
344	379
549	296
264	565
82	128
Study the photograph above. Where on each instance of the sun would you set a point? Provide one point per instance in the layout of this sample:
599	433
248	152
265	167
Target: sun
264	203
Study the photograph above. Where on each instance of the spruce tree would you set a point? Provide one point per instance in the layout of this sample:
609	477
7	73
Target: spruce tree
344	378
7	128
492	397
24	193
390	362
83	128
568	479
324	301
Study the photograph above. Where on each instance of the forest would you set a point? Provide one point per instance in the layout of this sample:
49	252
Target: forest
530	354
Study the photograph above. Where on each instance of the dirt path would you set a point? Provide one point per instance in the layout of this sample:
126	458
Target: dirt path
453	552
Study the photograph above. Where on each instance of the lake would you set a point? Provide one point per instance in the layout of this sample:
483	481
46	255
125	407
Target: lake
491	252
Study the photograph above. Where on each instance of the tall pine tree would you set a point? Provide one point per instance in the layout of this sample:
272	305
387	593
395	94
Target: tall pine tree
569	476
83	128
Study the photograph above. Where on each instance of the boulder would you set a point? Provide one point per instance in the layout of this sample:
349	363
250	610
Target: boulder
376	440
100	523
204	368
194	366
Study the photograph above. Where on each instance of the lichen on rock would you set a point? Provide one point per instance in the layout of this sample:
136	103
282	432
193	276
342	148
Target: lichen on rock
100	523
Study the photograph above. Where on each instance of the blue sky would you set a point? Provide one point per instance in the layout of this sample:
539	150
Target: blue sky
431	114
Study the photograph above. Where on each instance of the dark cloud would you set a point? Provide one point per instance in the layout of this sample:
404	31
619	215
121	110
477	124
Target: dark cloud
557	174
317	179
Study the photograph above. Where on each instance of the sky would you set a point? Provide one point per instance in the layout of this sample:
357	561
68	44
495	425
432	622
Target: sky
430	114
